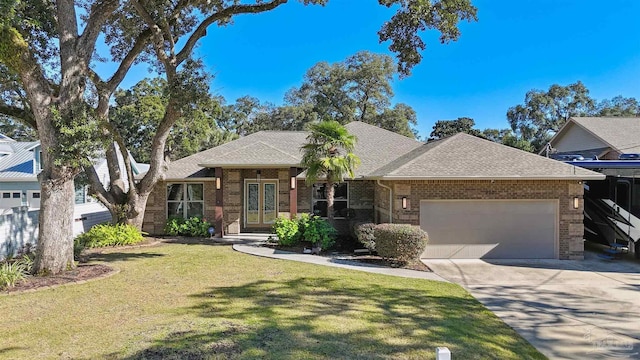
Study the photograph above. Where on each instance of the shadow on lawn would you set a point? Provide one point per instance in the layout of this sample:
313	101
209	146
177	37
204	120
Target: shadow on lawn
331	318
201	241
120	256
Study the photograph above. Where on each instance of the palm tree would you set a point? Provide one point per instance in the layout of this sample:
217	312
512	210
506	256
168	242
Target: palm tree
328	154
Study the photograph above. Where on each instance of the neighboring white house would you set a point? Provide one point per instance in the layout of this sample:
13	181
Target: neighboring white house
20	163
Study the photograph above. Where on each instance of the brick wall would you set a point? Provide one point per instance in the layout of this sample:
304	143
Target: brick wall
155	215
232	196
570	227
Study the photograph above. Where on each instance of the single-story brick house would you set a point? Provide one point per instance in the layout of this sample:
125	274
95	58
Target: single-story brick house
475	198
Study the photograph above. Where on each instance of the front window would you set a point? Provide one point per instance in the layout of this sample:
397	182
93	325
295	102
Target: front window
185	200
340	199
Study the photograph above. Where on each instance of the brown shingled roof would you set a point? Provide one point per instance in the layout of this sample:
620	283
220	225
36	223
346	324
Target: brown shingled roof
375	147
621	133
384	154
464	156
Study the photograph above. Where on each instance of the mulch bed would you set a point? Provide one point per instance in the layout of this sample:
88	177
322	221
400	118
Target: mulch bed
363	258
81	273
377	260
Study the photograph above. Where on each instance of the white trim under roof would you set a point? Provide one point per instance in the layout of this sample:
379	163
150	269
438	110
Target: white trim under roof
249	166
188	179
19	179
546	177
32	146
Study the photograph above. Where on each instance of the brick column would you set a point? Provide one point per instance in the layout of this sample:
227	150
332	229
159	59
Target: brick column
219	212
293	193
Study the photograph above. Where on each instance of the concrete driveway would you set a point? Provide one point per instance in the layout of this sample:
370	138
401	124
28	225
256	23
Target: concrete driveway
586	309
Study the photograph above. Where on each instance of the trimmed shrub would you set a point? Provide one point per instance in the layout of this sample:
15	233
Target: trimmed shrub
193	226
364	233
400	241
320	233
108	235
287	231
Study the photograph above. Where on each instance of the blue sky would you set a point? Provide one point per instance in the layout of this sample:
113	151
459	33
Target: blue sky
515	46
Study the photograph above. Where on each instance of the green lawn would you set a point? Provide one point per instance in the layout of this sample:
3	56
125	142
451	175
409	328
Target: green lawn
179	301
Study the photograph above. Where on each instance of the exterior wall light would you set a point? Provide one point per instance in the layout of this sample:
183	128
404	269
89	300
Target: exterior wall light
576	202
292	184
404	202
218	183
258	173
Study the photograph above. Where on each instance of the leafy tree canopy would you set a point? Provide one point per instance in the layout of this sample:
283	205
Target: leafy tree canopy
16	130
444	128
356	89
543	113
137	112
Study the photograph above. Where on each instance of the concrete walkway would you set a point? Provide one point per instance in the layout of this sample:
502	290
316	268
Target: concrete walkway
251	244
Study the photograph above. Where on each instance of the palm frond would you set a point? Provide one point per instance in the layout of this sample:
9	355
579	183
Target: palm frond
329	152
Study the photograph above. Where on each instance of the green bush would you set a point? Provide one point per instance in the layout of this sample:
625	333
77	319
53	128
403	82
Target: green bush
364	233
320	233
108	235
303	222
399	241
77	249
287	231
13	271
193	226
305	227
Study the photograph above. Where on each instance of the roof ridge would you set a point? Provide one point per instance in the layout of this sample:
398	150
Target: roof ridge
422	150
263	143
279	131
382	129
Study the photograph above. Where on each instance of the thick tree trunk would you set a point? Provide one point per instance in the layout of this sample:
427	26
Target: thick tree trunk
137	205
55	239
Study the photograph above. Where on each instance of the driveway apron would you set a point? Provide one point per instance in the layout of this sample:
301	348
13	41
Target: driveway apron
586	309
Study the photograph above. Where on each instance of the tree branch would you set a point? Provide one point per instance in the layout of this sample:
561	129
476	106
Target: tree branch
201	30
139	45
19	114
98	16
157	161
127	164
97	187
156	31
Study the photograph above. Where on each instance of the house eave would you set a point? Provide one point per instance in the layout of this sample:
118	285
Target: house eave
20	179
564	177
188	179
250	166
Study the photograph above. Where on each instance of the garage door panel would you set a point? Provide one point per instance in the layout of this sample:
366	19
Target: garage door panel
490	229
459	251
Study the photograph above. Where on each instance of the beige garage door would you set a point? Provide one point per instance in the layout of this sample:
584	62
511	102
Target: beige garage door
488	229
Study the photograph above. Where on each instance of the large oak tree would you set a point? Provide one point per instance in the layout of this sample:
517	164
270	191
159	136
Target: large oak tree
47	81
543	113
